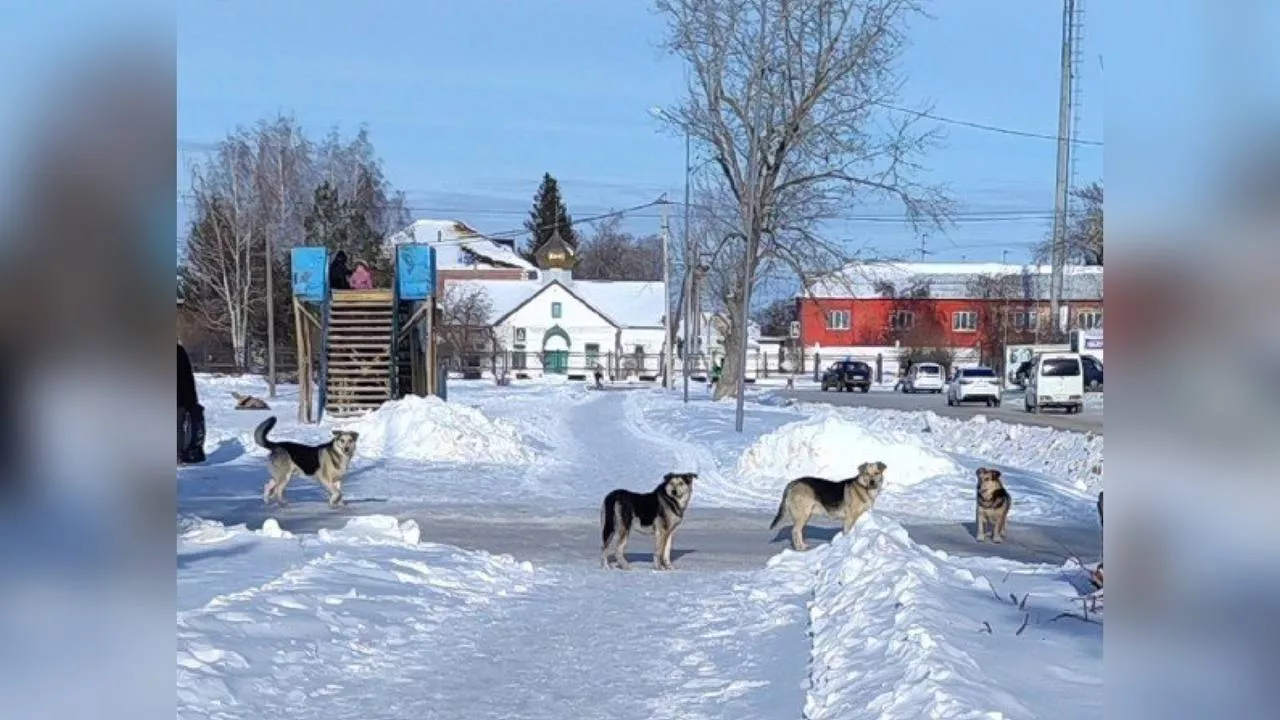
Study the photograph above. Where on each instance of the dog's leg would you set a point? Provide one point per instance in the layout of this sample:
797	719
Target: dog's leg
797	531
666	549
620	547
268	490
850	517
280	487
978	530
659	544
998	531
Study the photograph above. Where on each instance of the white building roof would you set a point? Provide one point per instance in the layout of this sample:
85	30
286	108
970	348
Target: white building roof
453	241
626	303
952	280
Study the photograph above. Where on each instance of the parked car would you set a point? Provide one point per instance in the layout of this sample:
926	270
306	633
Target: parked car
974	383
847	375
1092	373
1055	380
923	377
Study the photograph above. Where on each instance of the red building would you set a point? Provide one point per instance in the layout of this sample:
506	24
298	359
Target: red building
970	308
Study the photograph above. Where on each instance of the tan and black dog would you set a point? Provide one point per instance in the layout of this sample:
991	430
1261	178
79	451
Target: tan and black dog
993	503
327	463
659	512
249	402
847	499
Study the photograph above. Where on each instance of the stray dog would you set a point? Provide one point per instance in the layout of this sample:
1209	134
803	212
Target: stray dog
992	506
249	402
659	512
847	499
326	463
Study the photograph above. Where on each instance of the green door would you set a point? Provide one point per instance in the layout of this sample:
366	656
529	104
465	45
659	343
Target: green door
557	362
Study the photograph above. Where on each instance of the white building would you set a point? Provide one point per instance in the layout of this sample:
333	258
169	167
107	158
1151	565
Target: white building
550	323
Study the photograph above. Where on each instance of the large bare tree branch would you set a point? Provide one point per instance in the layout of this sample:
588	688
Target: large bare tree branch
789	96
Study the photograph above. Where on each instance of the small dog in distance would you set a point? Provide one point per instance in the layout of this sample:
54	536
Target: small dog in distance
993	503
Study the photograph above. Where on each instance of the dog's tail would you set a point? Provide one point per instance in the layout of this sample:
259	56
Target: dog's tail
606	521
782	508
260	433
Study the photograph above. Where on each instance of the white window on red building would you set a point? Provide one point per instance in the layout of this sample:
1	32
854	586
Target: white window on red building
838	320
1091	320
902	320
1025	319
964	321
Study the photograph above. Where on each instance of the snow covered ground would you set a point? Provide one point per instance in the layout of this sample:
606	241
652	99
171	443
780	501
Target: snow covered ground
463	578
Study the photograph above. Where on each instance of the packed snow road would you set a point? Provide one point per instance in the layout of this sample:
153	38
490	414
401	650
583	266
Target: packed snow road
463	579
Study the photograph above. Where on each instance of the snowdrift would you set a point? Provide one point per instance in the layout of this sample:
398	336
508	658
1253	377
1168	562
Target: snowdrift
427	428
900	631
833	447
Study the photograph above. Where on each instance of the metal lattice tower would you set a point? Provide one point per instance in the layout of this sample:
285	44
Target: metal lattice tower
1067	114
1074	208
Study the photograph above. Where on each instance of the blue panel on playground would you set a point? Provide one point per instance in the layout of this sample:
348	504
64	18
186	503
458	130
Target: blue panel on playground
415	271
310	273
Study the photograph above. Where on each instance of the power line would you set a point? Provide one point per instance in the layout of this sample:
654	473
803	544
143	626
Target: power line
968	216
983	126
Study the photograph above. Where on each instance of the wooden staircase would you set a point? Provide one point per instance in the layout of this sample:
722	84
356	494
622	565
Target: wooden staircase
361	333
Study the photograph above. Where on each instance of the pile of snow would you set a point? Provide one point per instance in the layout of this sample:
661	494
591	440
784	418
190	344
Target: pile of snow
900	631
353	608
831	446
427	428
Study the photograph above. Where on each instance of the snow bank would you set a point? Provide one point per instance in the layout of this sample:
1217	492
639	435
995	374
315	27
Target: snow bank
900	631
831	446
427	428
363	606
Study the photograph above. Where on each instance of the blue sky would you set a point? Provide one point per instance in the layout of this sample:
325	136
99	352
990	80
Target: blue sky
470	102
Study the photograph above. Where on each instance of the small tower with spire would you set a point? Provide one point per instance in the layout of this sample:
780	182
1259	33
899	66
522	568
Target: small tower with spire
556	256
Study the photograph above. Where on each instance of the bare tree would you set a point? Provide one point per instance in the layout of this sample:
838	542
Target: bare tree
466	312
790	95
1083	244
610	253
221	250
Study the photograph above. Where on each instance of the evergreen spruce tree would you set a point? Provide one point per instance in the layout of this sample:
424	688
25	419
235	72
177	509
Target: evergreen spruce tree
547	215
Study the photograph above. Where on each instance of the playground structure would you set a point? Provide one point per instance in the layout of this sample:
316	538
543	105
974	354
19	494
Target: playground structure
375	345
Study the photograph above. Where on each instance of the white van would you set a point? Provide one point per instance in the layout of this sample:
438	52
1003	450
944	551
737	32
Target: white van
924	377
1055	380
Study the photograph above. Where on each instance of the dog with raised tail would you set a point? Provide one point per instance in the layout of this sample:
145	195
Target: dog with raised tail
659	512
327	463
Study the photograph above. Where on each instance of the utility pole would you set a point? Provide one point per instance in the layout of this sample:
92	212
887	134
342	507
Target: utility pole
1062	188
667	335
690	265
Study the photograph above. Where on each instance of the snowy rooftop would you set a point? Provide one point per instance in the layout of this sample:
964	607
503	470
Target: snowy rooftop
953	280
629	304
454	240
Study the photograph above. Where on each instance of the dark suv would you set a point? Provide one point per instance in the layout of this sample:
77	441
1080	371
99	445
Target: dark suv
847	375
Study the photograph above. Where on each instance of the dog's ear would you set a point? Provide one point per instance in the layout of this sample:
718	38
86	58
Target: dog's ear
996	474
862	469
690	477
668	477
980	472
881	466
